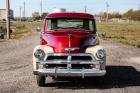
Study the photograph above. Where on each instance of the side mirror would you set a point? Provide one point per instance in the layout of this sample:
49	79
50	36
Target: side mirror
38	29
101	34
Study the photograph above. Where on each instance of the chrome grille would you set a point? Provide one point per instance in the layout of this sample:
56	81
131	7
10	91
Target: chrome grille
70	57
73	66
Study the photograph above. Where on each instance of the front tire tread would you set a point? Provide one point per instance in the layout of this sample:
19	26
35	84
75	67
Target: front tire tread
40	80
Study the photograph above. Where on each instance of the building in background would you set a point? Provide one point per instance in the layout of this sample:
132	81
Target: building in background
59	10
3	14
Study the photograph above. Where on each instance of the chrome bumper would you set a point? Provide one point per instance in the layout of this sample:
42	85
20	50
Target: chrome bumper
69	60
70	72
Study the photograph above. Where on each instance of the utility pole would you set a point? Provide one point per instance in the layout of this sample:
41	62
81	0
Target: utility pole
85	7
107	8
41	8
24	13
20	12
8	18
139	7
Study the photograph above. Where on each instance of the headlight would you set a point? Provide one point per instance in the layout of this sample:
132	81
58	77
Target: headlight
40	54
100	54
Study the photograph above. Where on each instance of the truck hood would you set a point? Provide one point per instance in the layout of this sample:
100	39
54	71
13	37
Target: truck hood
69	41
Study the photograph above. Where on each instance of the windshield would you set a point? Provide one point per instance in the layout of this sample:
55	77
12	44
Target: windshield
68	23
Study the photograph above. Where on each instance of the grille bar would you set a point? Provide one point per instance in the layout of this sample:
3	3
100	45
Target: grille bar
70	58
73	66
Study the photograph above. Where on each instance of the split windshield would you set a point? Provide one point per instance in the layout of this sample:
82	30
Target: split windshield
71	23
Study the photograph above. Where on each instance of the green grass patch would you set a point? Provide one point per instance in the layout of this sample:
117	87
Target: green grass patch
23	28
124	33
19	30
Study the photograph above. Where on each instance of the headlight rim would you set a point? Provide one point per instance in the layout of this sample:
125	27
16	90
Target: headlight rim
37	55
103	54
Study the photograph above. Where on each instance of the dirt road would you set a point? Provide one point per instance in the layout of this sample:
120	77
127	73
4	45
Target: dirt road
123	70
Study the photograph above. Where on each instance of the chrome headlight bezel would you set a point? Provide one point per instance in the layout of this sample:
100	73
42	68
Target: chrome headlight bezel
100	54
39	54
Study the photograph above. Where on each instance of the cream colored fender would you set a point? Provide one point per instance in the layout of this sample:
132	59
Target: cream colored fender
46	49
94	50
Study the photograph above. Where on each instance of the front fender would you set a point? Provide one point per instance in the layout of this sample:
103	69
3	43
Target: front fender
46	49
94	50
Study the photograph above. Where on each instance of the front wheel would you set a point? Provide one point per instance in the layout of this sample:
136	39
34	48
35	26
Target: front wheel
40	80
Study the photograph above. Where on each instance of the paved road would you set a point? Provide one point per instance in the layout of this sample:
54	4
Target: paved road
123	70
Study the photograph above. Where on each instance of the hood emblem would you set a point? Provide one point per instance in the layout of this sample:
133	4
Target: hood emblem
69	38
69	48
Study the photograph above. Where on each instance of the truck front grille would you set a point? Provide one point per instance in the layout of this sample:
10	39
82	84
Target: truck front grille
69	58
82	58
73	66
49	58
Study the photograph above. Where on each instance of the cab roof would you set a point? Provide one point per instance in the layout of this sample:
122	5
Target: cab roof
70	15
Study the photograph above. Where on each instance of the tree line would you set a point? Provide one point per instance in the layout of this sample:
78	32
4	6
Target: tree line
130	14
37	16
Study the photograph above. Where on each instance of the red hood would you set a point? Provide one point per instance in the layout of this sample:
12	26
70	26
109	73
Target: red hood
59	40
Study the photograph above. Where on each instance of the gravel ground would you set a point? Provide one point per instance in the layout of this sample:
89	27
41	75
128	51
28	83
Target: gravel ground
123	70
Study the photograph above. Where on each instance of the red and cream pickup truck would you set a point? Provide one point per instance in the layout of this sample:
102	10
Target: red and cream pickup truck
69	47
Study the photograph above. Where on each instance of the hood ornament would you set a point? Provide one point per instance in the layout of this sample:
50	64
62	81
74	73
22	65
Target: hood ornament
69	38
69	48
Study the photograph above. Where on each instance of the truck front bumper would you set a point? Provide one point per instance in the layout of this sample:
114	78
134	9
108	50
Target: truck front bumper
70	72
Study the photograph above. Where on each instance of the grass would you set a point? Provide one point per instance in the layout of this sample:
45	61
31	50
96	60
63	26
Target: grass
24	28
21	29
128	33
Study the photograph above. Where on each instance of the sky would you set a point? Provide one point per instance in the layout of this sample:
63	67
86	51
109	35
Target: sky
93	6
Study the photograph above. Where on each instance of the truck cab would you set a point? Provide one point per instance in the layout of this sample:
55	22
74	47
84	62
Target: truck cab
69	47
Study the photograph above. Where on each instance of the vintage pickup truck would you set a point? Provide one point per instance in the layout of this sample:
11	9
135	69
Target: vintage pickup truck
69	47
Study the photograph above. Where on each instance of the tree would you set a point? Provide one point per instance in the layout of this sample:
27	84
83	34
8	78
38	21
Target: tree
110	15
43	16
36	16
132	15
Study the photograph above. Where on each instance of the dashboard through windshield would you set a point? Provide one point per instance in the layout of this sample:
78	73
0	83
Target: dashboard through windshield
71	23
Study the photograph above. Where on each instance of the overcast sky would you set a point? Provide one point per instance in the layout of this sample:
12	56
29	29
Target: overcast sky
93	6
